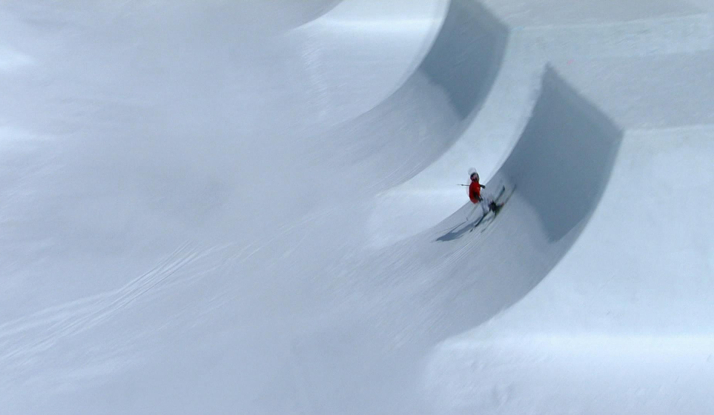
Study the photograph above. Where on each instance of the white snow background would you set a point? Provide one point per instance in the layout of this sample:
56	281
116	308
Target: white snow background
251	207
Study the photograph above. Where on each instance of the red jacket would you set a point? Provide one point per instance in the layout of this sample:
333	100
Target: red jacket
475	191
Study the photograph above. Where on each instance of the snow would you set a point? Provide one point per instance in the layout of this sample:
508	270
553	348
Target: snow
241	207
565	13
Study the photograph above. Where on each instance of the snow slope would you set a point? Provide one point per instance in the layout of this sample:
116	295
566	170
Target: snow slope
249	207
627	309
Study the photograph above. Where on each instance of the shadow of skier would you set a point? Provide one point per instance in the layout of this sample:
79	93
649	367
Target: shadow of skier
461	229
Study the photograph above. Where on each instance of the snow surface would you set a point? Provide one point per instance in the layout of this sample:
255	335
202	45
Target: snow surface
251	207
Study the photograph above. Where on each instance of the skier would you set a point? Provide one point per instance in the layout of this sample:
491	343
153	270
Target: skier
484	201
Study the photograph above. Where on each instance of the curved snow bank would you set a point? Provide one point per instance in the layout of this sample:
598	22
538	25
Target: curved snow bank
622	323
559	170
563	160
466	55
415	125
360	52
627	311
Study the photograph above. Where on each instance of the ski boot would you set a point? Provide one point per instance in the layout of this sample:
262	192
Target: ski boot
494	207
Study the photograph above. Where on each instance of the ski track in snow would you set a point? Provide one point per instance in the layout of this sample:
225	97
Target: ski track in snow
47	327
26	337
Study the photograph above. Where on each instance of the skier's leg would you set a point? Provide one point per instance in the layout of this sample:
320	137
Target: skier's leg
482	215
471	212
483	210
489	204
484	207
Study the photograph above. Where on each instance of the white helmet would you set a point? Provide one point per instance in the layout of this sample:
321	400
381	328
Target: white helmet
473	171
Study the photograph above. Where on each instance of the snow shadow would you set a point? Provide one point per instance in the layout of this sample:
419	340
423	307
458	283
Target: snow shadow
466	55
458	231
564	158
